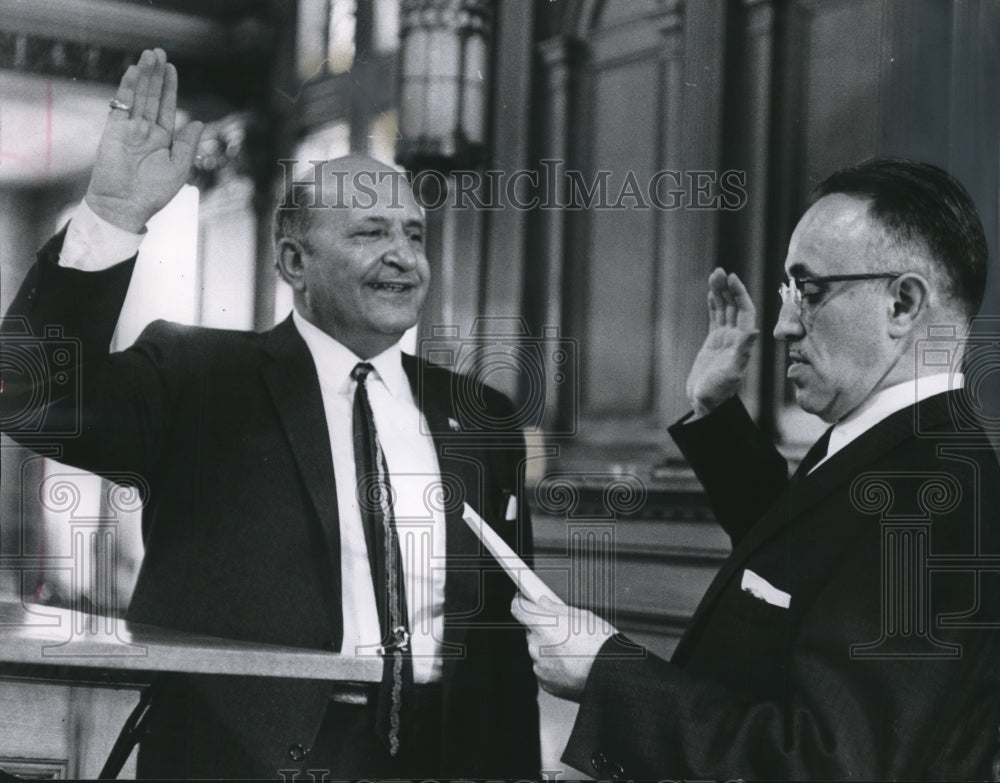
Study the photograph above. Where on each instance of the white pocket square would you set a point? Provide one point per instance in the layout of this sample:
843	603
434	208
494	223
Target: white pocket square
511	512
760	588
454	425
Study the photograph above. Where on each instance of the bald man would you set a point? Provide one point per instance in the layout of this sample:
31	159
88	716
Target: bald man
252	448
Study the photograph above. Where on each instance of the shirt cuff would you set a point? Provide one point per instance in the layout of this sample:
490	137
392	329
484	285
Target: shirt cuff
93	244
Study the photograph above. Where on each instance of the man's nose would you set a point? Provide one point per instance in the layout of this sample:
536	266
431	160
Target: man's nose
402	254
789	327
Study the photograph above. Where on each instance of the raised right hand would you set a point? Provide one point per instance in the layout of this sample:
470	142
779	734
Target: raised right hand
141	162
720	366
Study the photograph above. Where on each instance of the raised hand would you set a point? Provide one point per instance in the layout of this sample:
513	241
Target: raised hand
141	161
720	366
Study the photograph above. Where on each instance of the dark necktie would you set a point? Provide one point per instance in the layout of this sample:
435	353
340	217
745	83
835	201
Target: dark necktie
375	504
814	456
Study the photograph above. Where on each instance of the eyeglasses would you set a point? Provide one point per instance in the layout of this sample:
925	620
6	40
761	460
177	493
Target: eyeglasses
795	288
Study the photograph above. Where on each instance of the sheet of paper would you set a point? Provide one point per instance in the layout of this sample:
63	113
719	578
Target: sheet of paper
527	581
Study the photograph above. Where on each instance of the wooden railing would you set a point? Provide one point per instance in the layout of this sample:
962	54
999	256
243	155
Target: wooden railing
69	680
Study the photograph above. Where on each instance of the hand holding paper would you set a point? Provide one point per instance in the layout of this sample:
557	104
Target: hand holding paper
562	640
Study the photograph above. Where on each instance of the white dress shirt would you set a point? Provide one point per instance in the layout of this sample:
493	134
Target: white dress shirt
414	475
884	403
93	244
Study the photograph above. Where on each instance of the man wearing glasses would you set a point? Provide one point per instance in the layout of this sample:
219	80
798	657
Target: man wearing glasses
854	632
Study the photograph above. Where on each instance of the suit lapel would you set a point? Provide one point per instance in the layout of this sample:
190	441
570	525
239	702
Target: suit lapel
807	491
291	379
843	467
433	394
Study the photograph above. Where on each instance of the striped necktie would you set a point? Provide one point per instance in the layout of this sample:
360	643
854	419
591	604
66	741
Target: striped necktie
375	505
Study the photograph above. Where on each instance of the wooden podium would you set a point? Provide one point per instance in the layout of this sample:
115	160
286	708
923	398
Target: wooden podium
69	680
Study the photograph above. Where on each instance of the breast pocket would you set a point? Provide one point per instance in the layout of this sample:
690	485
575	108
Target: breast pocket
749	612
745	642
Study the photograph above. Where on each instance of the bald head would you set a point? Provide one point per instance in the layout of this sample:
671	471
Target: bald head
352	181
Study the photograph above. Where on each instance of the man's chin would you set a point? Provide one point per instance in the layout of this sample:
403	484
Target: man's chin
388	320
400	325
394	328
398	318
809	403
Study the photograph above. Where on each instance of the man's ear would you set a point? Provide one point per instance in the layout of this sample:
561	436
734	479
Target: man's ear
911	297
290	262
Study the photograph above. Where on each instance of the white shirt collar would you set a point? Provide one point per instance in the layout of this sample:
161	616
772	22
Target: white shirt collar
334	361
884	403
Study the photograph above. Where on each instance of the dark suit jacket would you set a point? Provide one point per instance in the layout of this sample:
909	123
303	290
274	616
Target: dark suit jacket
851	680
227	431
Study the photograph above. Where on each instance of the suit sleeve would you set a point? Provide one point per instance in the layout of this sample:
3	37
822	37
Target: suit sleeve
830	687
838	718
62	385
741	470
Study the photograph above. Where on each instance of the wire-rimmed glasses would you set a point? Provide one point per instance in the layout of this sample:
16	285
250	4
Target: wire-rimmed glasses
794	288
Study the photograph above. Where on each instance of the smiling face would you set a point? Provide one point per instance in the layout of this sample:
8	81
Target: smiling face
363	273
840	347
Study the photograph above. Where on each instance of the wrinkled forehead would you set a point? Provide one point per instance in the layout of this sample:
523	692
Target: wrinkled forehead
836	235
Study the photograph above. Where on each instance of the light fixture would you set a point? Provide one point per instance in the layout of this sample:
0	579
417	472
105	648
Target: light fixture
445	48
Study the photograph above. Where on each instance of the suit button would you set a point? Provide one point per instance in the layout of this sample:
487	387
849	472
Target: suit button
331	646
617	772
297	752
599	762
